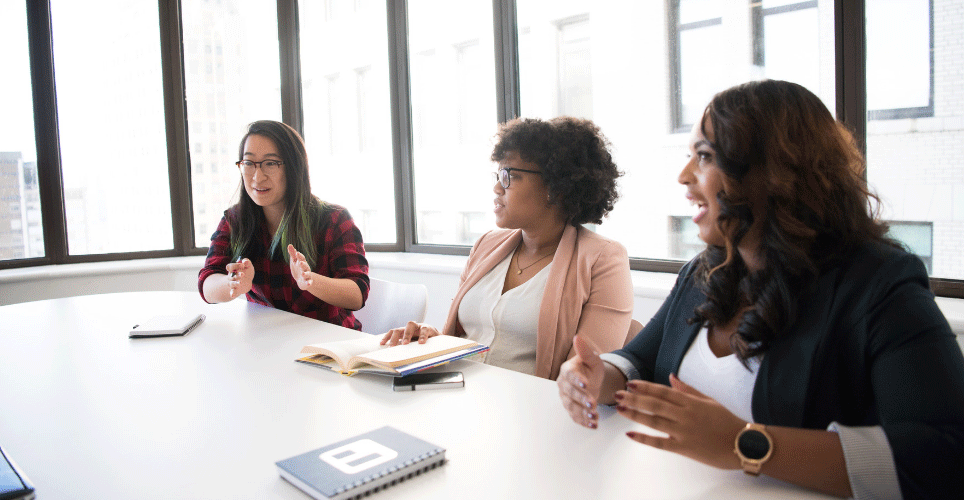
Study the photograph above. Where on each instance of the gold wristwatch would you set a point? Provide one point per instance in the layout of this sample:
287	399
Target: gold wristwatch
754	446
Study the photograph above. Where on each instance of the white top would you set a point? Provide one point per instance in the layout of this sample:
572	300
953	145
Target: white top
507	322
724	379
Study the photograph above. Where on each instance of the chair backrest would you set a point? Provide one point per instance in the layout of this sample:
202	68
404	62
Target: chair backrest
391	305
634	328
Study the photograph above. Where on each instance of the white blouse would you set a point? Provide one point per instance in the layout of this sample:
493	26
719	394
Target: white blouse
508	323
724	379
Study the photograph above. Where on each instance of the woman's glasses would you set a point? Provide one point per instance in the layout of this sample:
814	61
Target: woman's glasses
268	167
504	177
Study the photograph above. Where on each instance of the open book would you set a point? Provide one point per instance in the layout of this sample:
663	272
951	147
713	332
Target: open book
366	355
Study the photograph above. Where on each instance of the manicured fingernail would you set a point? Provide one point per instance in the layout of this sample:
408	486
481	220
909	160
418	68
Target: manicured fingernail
631	384
592	425
588	404
619	396
581	384
620	408
631	435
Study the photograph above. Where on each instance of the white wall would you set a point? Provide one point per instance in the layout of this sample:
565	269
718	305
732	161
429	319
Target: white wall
440	273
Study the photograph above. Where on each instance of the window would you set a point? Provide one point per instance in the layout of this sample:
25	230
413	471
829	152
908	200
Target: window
787	38
239	93
347	113
453	114
21	231
575	68
917	237
914	125
909	91
112	136
685	242
741	40
699	37
643	71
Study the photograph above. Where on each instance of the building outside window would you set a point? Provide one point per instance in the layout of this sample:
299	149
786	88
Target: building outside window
21	230
224	94
347	113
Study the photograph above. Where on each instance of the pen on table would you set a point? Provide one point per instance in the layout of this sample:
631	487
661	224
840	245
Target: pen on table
232	274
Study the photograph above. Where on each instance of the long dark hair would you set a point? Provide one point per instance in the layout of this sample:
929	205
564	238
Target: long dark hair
779	146
302	209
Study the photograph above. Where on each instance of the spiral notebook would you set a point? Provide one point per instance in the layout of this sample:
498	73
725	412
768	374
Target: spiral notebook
361	465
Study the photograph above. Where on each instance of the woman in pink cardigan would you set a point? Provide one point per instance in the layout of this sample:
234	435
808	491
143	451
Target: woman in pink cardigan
530	287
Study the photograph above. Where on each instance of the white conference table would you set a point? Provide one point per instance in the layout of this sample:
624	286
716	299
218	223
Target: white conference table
88	413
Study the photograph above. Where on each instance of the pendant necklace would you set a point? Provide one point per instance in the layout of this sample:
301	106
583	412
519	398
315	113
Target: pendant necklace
520	268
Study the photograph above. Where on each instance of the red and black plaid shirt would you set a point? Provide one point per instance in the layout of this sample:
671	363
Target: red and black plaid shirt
341	254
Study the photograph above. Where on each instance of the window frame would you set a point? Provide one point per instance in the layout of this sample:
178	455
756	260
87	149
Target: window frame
849	30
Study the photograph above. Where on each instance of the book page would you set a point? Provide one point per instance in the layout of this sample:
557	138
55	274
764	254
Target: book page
342	351
411	353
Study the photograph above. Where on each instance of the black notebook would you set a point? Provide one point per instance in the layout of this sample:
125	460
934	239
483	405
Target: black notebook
360	465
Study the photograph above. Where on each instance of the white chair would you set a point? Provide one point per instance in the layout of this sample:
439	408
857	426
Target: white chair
391	305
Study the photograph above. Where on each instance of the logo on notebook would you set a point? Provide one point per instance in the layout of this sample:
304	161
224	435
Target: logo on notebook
357	456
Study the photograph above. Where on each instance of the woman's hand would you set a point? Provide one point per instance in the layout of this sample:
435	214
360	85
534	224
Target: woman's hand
411	331
240	277
300	269
698	427
579	381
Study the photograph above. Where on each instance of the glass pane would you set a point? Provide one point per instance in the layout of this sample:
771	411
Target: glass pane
21	232
631	59
911	86
915	130
112	136
784	34
453	118
225	92
347	111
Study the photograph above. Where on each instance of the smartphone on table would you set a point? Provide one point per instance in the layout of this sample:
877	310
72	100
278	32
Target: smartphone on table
428	381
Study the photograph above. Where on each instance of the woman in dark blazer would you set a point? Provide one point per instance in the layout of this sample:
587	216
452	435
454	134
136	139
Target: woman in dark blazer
802	343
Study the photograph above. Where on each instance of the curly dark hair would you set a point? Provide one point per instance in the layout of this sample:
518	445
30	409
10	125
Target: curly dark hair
575	160
779	145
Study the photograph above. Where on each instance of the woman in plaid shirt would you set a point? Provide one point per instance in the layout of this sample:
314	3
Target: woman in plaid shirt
281	246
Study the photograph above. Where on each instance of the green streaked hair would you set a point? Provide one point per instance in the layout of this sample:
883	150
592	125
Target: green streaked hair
302	209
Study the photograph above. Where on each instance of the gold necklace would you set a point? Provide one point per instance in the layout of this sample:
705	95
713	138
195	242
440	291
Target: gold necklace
520	269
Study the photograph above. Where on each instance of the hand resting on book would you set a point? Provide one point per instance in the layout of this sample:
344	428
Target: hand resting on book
412	331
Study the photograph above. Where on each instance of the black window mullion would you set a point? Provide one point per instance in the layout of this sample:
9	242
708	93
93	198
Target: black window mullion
289	46
49	174
175	124
507	86
851	63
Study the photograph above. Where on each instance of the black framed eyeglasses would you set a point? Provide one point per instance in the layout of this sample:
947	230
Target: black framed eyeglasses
268	167
504	178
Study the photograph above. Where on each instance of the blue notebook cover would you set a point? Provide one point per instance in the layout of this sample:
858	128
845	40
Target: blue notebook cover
13	484
361	464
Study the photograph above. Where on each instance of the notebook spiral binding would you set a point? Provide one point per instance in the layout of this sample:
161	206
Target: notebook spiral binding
392	470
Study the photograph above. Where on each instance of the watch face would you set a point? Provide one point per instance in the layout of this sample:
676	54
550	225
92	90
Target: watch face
754	445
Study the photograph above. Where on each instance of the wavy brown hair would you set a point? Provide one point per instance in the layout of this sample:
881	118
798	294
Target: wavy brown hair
577	165
779	146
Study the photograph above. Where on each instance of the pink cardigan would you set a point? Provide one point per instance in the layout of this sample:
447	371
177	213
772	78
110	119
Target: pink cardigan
589	292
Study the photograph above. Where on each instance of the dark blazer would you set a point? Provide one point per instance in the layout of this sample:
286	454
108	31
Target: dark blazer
869	348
